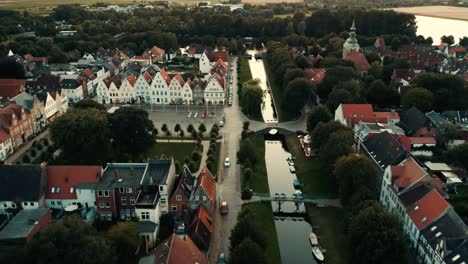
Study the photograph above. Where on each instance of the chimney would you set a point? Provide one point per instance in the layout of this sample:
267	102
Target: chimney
117	173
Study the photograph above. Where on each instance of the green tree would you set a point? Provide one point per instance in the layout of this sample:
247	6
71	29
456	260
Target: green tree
246	152
395	44
335	75
124	241
382	95
89	103
322	132
420	98
136	140
376	70
318	114
337	97
376	237
339	144
181	135
296	95
190	128
201	129
252	98
177	128
460	154
245	125
449	131
164	128
463	42
354	172
247	252
83	136
450	40
246	228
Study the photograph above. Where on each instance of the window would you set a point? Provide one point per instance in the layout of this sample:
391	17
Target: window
109	216
13	205
129	190
102	205
132	200
106	193
122	214
71	189
59	202
99	194
53	190
178	197
145	215
161	188
163	201
174	207
52	202
31	203
25	203
57	189
123	200
197	198
204	198
107	205
103	217
122	190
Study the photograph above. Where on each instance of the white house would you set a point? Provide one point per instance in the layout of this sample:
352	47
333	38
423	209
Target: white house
72	89
6	148
204	63
102	93
214	92
175	89
187	92
126	91
142	87
160	88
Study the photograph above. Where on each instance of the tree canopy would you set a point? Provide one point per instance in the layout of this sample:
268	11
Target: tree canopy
252	98
318	114
296	95
418	97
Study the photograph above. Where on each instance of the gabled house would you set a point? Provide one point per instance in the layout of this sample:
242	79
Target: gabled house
74	89
10	88
127	91
72	185
175	250
143	86
359	61
17	123
156	53
180	200
351	114
159	93
204	193
200	228
214	93
187	93
36	109
362	129
175	89
198	88
209	58
22	187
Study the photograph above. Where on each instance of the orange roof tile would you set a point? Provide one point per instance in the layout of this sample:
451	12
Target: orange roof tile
407	173
131	79
165	76
205	179
4	135
427	209
315	75
176	250
67	177
423	140
388	115
179	78
10	88
219	79
359	60
157	51
147	77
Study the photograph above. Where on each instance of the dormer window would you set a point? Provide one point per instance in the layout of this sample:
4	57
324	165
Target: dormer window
71	189
57	189
53	190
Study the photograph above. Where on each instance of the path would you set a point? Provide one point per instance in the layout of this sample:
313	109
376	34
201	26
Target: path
317	202
21	150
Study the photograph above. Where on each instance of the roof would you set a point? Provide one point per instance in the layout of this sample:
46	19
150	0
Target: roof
414	194
165	76
216	55
407	173
357	110
387	115
404	74
10	88
185	181
157	51
176	250
423	140
427	209
179	78
436	166
23	223
146	227
219	79
201	220
131	79
63	180
124	175
206	180
384	149
147	77
6	114
359	61
20	182
315	75
157	172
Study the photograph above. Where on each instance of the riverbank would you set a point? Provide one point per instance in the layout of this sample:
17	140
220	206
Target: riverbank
315	181
447	12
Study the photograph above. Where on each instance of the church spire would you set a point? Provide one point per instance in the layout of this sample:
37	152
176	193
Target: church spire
352	34
353	26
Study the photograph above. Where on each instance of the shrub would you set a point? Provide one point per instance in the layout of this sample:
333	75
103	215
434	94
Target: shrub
39	147
196	155
186	160
177	166
211	158
246	194
192	166
26	159
46	142
33	153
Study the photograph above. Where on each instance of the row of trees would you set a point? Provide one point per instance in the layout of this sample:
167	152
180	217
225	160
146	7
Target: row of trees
88	135
251	98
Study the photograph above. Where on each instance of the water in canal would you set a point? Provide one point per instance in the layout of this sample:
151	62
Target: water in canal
293	232
258	72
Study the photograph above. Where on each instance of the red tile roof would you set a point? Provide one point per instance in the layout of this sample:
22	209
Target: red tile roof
179	78
427	209
6	114
176	250
423	140
404	141
87	73
10	88
387	115
157	51
202	216
4	135
358	110
165	76
147	77
404	74
359	60
131	79
315	75
407	173
206	180
216	55
67	177
190	82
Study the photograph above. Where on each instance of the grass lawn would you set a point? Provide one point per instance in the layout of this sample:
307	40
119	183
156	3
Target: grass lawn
244	71
259	181
316	181
263	216
176	150
283	116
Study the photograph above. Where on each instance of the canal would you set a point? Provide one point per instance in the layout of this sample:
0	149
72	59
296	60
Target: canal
292	231
258	72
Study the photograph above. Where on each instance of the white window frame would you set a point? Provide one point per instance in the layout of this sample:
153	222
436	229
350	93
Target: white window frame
178	197
174	207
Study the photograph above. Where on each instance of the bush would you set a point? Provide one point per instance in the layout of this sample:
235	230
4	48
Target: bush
211	158
39	147
246	125
177	166
210	166
192	166
46	142
211	152
33	153
199	146
196	155
246	194
26	159
244	134
186	160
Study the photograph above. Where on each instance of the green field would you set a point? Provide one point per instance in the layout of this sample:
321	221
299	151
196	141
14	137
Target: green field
176	150
244	70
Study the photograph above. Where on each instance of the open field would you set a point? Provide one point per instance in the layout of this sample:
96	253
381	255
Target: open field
271	1
449	12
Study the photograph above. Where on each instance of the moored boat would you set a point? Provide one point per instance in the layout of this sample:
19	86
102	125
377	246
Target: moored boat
313	239
296	184
318	254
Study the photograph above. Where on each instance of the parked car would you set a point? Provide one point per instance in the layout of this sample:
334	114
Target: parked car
221	123
292	169
227	162
223	209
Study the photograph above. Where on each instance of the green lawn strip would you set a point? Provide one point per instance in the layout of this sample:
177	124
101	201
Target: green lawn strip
263	215
216	164
259	181
176	150
330	232
244	72
277	95
311	172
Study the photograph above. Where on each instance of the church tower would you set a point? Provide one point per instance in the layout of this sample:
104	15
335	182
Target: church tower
351	43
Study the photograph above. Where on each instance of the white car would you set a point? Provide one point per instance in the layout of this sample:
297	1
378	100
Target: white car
221	123
227	162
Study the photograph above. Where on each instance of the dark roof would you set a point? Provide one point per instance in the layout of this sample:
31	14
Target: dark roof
459	254
413	119
414	194
69	84
23	223
157	172
385	148
146	227
121	175
20	182
186	181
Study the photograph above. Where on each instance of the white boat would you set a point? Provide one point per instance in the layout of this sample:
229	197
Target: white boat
292	169
313	239
318	254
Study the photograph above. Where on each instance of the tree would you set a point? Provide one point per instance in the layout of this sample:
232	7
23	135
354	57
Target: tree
83	136
201	129
246	228
449	40
318	114
354	172
337	97
181	135
395	44
164	128
376	70
247	252
460	154
190	128
196	155
335	75
292	74
420	98
124	241
449	131
322	132
245	125
381	95
69	240
376	237
296	95
89	103
252	98
463	42
136	140
177	128
246	152
339	144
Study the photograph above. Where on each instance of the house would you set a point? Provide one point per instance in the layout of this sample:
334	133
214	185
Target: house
6	148
351	114
214	93
21	187
117	191
35	107
209	58
417	124
315	75
187	92
204	192
438	120
45	82
142	87
72	185
156	53
74	89
457	52
403	76
198	88
10	88
30	58
180	199
126	91
50	106
175	89
61	102
200	228
175	250
359	61
362	129
17	123
24	226
107	90
160	88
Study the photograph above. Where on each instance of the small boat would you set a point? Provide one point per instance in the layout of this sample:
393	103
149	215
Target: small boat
290	163
292	169
318	254
296	184
313	239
